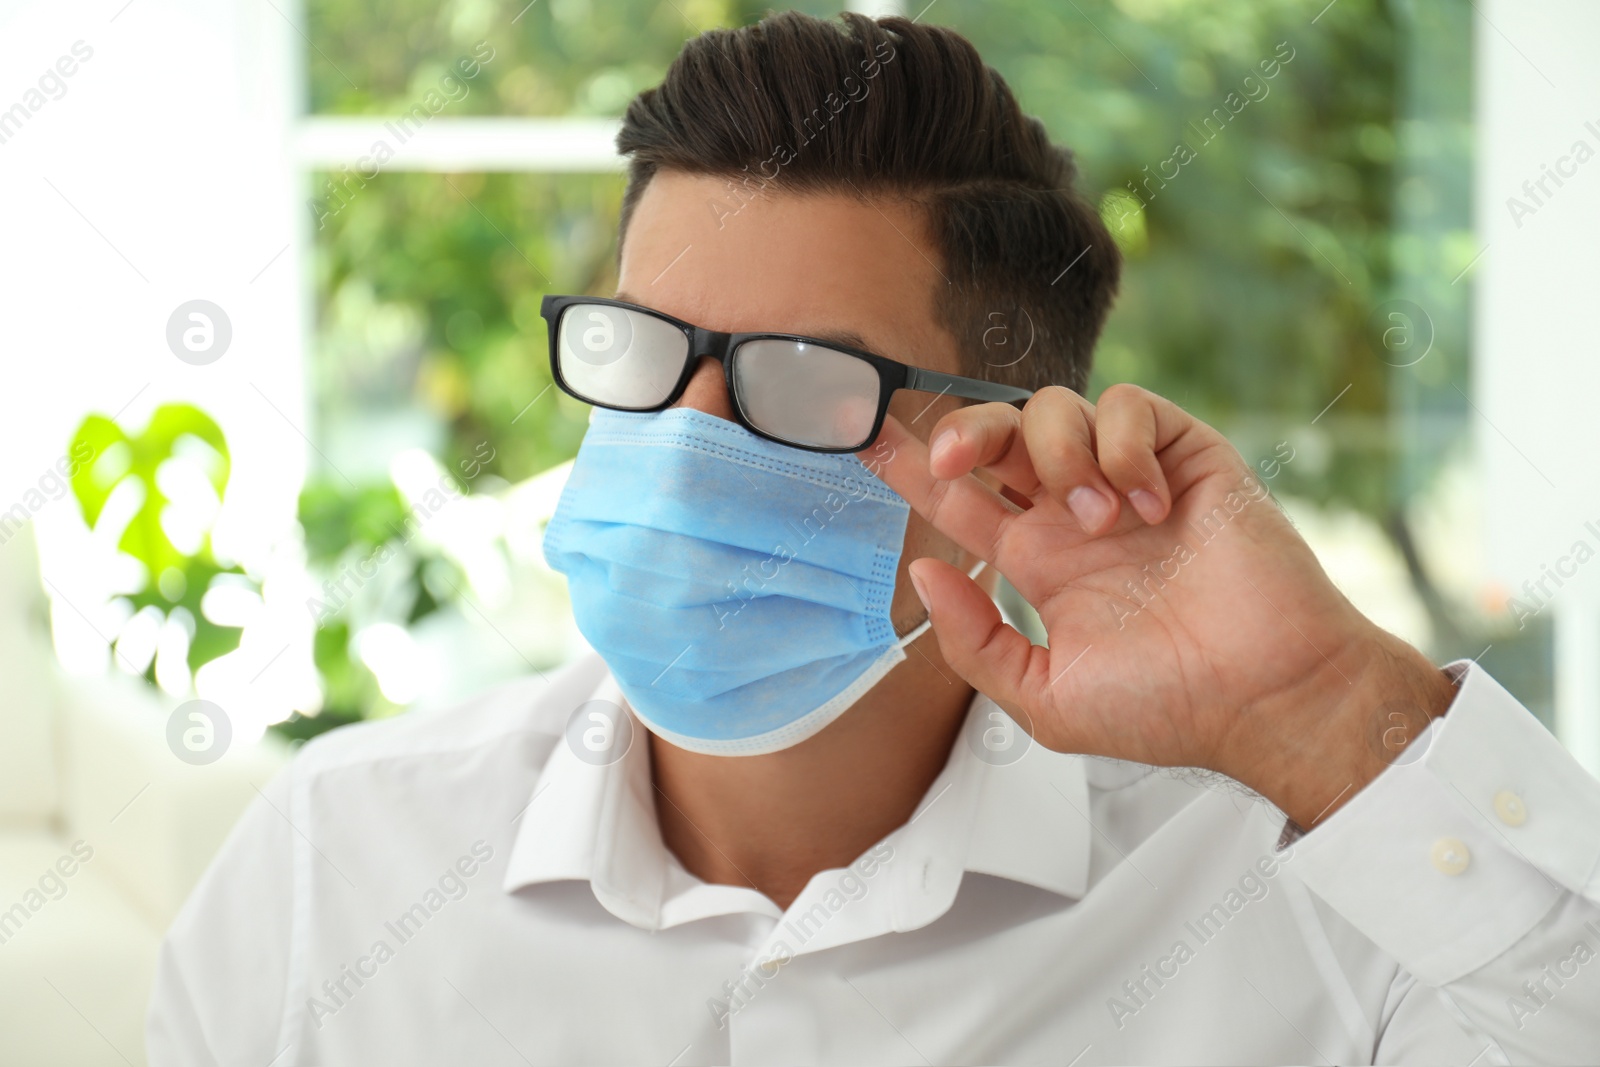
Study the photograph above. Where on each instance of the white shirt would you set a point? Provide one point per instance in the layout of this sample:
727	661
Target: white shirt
462	887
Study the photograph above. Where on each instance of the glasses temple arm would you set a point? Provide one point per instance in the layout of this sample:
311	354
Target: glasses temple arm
931	381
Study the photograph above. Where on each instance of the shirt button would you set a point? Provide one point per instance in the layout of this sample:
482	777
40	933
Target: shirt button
1450	855
1510	808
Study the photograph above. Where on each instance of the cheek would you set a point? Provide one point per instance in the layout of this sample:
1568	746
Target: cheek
921	541
852	419
912	409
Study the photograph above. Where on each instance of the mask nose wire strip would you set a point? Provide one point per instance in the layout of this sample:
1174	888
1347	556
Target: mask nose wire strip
927	623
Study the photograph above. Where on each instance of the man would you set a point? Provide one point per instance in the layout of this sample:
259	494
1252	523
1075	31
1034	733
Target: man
772	820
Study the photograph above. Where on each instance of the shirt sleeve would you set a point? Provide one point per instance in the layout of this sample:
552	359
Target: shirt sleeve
220	980
1474	866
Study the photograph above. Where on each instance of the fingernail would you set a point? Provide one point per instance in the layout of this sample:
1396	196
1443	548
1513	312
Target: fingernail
942	444
1090	506
916	585
1147	504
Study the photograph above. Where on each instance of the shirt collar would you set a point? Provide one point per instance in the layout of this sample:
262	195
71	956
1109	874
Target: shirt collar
1032	824
595	822
1026	820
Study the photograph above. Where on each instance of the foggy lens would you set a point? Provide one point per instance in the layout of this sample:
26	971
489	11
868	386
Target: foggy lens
806	394
619	358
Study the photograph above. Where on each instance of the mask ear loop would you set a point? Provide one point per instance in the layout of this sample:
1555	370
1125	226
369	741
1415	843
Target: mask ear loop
926	624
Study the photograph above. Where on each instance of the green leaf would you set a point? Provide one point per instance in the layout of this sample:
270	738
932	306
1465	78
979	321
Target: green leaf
172	421
95	436
174	579
335	518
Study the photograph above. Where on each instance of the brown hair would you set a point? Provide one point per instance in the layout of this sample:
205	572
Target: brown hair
893	108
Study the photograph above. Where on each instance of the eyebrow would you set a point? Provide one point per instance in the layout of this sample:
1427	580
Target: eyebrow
847	338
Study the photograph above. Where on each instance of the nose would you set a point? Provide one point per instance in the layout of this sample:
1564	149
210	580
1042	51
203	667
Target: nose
707	390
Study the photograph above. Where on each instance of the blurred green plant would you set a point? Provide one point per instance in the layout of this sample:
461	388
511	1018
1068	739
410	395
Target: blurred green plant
175	579
345	531
440	313
554	57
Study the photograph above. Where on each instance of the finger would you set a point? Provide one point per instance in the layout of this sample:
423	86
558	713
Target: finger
1059	428
979	645
963	509
983	435
1132	426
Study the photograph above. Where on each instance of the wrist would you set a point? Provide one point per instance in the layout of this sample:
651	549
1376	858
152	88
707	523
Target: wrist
1343	725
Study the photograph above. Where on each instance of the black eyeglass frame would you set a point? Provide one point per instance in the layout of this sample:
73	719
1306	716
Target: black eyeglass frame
892	374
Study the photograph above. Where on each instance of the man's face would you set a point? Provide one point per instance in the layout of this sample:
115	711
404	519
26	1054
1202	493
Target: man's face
820	266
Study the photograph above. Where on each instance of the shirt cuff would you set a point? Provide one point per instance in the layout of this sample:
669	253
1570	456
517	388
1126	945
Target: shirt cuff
1448	859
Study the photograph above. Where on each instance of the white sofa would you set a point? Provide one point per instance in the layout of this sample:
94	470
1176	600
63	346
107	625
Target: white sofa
103	832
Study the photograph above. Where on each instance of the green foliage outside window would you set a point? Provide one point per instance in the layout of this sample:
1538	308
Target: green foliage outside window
552	57
428	289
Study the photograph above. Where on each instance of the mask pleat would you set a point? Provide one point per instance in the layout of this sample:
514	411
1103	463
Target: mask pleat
732	585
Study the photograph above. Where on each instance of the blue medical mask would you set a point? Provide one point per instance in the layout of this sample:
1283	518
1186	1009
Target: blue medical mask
738	589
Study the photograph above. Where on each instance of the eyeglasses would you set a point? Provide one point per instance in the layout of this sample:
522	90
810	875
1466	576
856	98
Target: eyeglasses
800	391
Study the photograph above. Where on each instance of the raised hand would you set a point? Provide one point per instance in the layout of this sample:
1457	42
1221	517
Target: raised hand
1188	623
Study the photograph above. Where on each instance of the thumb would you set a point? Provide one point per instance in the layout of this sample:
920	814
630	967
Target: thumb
990	655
